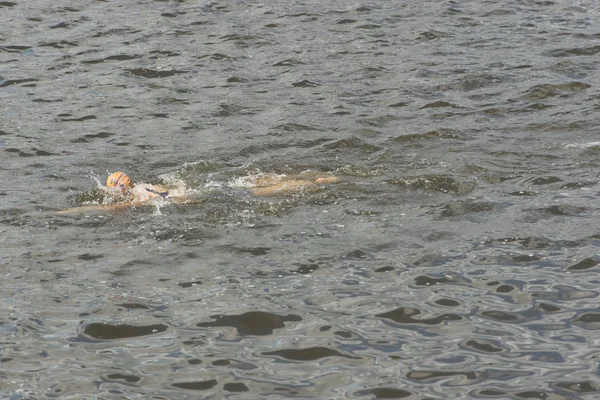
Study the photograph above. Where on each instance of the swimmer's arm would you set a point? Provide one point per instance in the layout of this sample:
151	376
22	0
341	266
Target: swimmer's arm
122	206
100	207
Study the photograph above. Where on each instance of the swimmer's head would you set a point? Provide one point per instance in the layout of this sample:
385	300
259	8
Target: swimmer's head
119	180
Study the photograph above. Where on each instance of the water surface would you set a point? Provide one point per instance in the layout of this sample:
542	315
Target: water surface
455	258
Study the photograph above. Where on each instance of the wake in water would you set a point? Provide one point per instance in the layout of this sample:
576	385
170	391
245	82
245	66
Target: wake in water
120	192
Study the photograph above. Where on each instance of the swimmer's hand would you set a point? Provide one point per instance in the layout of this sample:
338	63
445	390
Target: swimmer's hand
161	194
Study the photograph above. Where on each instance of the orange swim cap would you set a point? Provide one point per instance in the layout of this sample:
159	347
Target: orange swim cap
118	179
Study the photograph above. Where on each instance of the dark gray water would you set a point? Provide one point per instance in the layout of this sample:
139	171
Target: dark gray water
456	258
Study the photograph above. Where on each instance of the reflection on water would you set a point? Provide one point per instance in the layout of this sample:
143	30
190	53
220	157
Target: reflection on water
455	256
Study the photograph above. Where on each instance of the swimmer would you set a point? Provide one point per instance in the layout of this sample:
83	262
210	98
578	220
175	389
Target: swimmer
124	194
133	195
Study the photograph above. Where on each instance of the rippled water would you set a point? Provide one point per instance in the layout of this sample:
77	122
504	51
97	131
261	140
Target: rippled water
456	257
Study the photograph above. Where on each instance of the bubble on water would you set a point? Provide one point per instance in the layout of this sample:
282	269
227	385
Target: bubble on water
582	145
96	178
242	182
213	185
